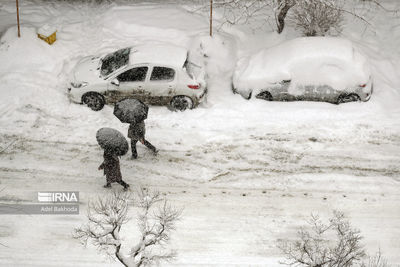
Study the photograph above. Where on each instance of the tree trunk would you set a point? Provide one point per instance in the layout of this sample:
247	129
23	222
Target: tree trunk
284	6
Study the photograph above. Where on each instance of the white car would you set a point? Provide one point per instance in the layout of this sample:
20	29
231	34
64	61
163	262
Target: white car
310	68
155	74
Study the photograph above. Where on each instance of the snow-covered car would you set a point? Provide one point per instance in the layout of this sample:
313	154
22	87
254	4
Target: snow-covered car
155	74
310	68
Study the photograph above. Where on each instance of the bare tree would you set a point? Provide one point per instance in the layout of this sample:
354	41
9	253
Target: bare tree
106	217
333	10
235	11
325	12
318	17
335	244
283	7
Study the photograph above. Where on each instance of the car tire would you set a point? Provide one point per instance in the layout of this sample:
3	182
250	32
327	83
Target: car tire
181	103
346	98
94	101
265	96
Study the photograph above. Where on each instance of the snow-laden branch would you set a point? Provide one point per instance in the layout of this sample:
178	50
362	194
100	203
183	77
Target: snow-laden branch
316	245
106	216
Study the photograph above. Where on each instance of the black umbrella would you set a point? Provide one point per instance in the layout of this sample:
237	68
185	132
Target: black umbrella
112	140
131	110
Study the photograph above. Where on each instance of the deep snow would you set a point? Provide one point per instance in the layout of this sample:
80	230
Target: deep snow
246	172
303	61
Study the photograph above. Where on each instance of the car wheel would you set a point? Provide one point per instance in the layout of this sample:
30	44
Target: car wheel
181	103
346	98
95	101
265	96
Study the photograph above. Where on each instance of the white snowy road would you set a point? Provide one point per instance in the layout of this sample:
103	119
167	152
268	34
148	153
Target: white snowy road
248	196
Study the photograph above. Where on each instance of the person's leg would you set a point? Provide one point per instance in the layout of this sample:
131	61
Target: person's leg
150	146
108	183
133	148
125	185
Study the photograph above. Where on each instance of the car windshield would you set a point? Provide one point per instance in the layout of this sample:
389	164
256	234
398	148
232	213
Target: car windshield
114	61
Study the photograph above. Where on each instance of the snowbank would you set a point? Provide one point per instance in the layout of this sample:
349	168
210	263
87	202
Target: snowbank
29	68
316	60
173	24
27	53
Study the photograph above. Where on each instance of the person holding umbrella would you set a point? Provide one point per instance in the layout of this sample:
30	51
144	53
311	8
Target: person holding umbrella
136	132
134	112
112	170
114	145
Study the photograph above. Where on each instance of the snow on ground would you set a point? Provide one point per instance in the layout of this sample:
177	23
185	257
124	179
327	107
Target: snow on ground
246	172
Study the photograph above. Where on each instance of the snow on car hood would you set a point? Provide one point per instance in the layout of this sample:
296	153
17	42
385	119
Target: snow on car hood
307	60
86	70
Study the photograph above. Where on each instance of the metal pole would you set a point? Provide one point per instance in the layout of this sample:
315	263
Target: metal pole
19	31
211	14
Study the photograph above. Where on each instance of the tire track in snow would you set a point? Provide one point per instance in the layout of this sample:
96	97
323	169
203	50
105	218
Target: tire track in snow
259	158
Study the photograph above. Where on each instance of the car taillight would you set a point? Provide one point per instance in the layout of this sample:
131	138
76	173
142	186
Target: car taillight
193	86
363	85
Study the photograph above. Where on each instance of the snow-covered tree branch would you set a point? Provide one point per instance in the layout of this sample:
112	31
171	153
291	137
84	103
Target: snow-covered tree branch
332	244
106	216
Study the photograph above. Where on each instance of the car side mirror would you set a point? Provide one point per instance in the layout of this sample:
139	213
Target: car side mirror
115	82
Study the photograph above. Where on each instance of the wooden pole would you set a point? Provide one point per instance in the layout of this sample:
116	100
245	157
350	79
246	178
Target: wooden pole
211	18
19	31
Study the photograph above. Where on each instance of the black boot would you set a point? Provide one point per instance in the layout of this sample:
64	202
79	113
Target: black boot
107	185
125	185
150	146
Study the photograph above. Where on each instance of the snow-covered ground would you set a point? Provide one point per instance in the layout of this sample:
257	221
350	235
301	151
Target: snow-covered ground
246	172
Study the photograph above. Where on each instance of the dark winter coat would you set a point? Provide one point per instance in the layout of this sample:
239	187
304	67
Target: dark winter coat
111	168
137	131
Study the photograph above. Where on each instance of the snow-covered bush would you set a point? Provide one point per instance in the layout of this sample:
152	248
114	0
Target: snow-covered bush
107	215
318	17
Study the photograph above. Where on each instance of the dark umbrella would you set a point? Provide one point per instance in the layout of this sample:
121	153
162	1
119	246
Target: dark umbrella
112	140
131	110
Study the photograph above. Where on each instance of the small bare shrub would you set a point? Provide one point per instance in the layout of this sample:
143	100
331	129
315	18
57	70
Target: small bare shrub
318	17
334	244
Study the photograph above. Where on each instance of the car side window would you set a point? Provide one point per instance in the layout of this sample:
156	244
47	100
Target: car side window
162	74
133	75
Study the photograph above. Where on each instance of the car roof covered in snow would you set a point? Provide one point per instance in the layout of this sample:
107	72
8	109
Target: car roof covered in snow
169	55
305	60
